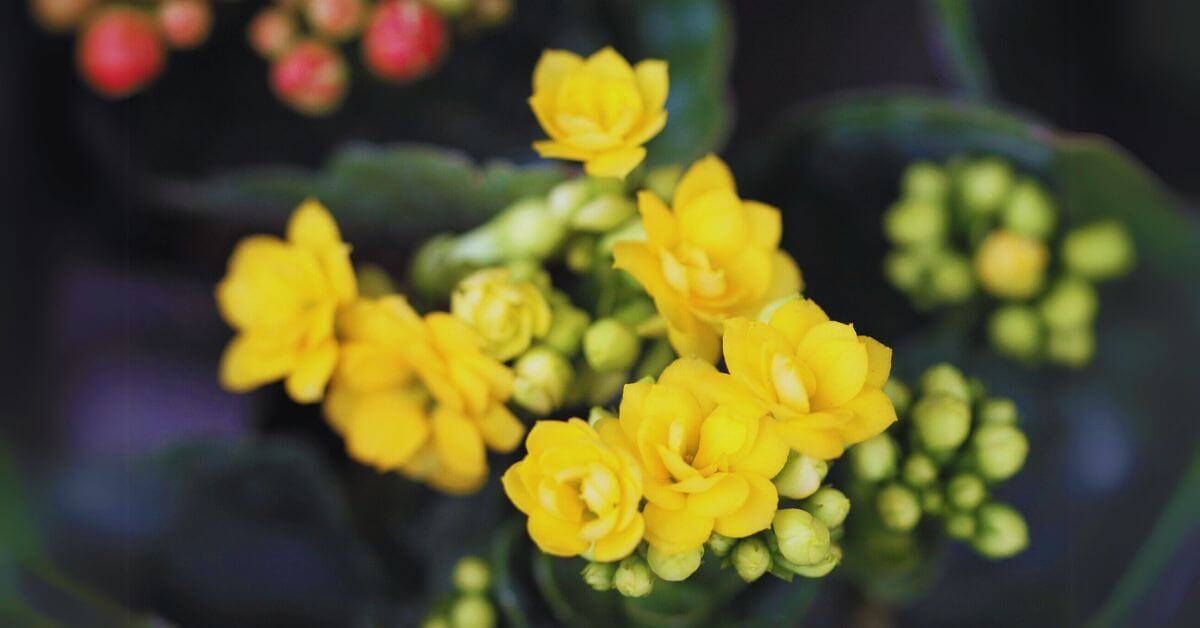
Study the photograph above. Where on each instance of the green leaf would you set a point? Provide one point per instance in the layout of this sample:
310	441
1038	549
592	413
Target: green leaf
953	30
20	543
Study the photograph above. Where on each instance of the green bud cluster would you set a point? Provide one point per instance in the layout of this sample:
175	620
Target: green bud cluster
468	606
973	225
941	462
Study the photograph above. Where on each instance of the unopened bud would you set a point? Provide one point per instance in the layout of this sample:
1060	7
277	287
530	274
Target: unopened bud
874	459
933	502
983	184
925	181
1000	451
960	525
528	230
471	575
944	378
633	577
1099	251
915	221
1015	331
543	376
898	507
610	345
898	393
656	359
635	311
507	313
830	506
631	231
821	569
1011	265
604	213
1070	303
801	476
581	253
662	181
720	545
751	558
965	491
599	576
1029	210
567	325
674	567
953	280
941	421
904	269
473	611
1000	531
997	411
802	538
1073	347
919	470
567	197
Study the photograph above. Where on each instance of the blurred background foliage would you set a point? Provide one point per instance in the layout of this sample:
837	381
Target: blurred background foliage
130	481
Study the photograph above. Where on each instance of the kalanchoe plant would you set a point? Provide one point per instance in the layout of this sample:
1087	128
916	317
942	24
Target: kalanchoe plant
973	229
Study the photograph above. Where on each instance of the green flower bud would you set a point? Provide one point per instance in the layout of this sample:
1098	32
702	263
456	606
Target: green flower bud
1070	303
941	421
900	395
436	268
904	269
635	311
997	411
919	470
944	378
898	507
655	360
543	376
751	558
802	538
801	476
596	389
567	325
471	575
472	611
597	414
983	184
821	569
1100	251
1029	210
662	181
829	505
507	313
581	253
528	230
1000	451
674	567
631	231
874	459
925	181
912	221
633	577
599	576
610	345
965	491
530	271
953	279
960	525
720	545
567	197
374	281
1072	347
1015	331
933	502
604	213
1000	531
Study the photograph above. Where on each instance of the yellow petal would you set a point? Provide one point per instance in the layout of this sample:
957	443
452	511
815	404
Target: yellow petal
621	543
818	442
879	361
714	222
609	64
558	150
840	367
724	498
796	318
786	279
306	383
872	413
768	455
674	531
662	494
649	127
501	430
555	536
515	488
704	176
458	443
311	226
387	429
551	67
251	361
615	163
695	340
653	83
755	513
766	224
660	225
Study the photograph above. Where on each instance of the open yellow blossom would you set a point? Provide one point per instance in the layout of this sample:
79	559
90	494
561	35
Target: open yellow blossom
281	296
708	451
580	488
712	257
598	110
820	379
508	313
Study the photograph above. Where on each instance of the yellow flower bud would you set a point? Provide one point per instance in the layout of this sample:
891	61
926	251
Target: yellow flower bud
941	421
471	575
830	506
472	611
803	539
898	507
751	558
720	544
1000	451
1011	265
506	313
599	576
609	345
674	567
801	476
874	459
542	378
598	110
633	577
1100	251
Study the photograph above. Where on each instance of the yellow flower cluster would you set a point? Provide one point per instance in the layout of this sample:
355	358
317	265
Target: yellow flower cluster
408	393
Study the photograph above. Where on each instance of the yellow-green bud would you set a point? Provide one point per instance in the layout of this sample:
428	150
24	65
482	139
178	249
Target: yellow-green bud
674	567
914	221
662	181
919	470
436	267
997	411
374	281
898	507
822	568
542	378
1000	531
983	184
946	379
1100	251
604	213
597	414
1072	347
1011	265
960	525
926	181
719	544
801	476
802	538
932	501
965	491
531	271
635	311
633	577
942	422
581	253
904	269
953	280
567	324
631	231
567	197
898	393
599	576
609	345
1029	210
1000	451
472	611
508	314
655	359
751	558
874	459
1016	331
1070	303
528	230
829	505
471	575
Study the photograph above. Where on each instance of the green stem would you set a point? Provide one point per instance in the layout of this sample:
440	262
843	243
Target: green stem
953	23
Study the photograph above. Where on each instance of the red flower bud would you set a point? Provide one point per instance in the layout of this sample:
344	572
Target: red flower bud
310	77
271	32
404	40
335	19
60	16
120	51
185	23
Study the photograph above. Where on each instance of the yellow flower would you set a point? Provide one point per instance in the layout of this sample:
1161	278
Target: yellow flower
1011	264
580	488
506	312
281	296
598	110
713	257
708	451
819	378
